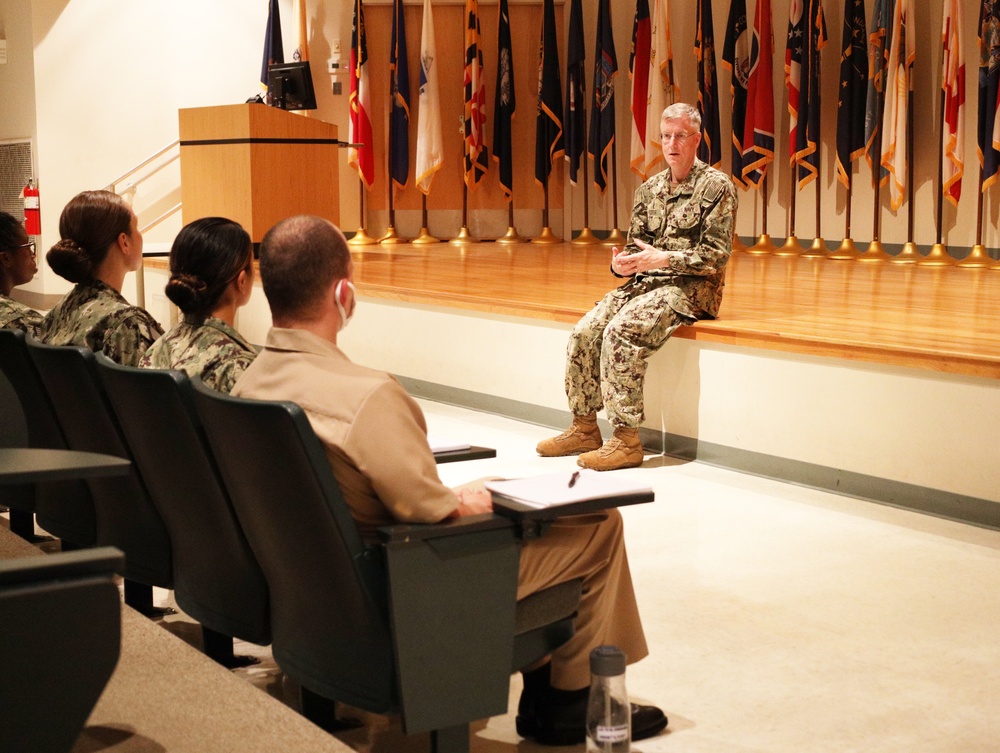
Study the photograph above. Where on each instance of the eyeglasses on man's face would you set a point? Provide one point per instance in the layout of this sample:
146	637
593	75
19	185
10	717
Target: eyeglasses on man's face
30	245
666	138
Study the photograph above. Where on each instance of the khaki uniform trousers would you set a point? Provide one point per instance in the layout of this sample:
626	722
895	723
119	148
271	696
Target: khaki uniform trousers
591	547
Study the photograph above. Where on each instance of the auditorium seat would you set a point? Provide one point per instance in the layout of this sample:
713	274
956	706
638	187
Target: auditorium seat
421	624
125	516
60	642
63	508
217	581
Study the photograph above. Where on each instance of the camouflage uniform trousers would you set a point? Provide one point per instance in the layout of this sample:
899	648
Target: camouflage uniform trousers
608	350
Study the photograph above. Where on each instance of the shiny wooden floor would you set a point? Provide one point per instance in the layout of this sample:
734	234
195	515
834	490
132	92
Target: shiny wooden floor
938	318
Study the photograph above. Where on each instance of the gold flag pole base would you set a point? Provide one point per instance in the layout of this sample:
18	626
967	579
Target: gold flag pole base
909	254
463	237
615	239
817	250
585	238
764	245
876	252
391	237
738	245
792	247
424	237
938	257
846	251
977	259
546	237
510	237
361	238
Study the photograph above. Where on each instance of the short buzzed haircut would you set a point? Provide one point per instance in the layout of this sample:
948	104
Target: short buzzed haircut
682	111
300	258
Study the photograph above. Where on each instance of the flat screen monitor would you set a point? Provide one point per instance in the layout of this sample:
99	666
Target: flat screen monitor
290	86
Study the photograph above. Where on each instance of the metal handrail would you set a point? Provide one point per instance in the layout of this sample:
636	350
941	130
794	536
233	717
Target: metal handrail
157	155
173	210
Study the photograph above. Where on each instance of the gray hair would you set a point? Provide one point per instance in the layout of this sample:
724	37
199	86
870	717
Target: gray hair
682	111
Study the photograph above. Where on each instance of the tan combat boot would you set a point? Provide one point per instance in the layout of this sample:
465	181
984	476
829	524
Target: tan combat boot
582	436
622	450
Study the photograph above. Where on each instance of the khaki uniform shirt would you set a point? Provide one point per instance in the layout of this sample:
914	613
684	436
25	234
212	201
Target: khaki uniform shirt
96	316
694	221
14	315
209	349
373	432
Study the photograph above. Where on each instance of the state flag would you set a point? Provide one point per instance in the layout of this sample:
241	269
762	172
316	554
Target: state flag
477	156
638	71
504	103
758	131
274	50
602	116
430	142
736	59
663	89
898	90
710	147
953	84
362	156
853	90
399	114
576	92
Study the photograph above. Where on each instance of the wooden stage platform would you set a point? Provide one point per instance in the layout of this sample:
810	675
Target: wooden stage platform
938	318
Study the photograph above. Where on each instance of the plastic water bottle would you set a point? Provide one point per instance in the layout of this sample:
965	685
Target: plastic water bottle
609	714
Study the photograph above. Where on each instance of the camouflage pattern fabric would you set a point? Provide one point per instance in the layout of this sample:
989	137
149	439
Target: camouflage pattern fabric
209	349
14	315
609	347
94	315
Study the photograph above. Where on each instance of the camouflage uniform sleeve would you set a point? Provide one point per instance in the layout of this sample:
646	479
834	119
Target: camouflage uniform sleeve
127	341
714	204
224	376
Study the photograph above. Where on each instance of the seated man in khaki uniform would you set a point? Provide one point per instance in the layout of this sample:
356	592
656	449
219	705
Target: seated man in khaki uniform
306	272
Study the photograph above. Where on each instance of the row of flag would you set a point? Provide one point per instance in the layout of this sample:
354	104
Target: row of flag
560	124
873	115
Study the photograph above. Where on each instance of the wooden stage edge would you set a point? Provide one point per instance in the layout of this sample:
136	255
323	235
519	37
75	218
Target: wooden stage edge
943	319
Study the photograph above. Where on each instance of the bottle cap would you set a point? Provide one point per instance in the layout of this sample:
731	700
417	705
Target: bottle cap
607	661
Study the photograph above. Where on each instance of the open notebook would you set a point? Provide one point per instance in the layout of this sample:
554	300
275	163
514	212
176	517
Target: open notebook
592	488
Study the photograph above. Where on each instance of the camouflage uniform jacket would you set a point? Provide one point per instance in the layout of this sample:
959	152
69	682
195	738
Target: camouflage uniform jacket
209	349
96	316
694	223
14	315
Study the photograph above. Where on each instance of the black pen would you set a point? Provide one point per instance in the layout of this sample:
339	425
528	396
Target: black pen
573	478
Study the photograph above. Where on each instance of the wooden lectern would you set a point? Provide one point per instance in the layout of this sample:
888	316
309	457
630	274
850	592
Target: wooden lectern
257	164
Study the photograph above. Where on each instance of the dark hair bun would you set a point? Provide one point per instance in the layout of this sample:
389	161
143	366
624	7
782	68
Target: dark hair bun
187	292
70	261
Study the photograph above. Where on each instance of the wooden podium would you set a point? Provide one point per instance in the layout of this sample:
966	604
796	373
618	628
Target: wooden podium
257	164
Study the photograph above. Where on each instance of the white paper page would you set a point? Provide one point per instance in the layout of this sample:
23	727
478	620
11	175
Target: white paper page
554	488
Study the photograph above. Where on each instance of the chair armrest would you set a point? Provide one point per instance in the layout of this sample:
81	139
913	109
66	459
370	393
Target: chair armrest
403	532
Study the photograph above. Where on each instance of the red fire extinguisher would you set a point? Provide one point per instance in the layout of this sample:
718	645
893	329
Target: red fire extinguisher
32	212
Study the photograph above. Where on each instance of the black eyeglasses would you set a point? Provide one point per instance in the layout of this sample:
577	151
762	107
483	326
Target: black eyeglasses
30	245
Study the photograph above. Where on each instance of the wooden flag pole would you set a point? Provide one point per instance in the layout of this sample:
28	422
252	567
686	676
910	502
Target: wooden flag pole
847	250
616	238
763	244
977	258
792	246
361	237
391	238
424	237
586	236
939	256
511	236
909	254
875	250
546	236
464	236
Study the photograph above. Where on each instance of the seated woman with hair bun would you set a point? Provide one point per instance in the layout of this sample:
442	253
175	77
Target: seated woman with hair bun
100	244
211	276
17	266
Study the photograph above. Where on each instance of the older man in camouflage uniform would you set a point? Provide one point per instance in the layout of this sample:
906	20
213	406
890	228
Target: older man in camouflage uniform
679	242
